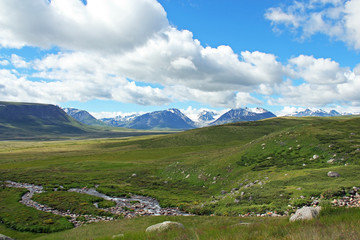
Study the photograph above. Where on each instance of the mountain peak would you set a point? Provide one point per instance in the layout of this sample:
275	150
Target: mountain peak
243	114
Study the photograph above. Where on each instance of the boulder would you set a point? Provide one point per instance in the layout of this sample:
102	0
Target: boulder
3	237
305	213
121	235
164	226
331	161
333	174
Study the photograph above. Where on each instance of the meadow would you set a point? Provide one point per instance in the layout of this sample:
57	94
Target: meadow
274	165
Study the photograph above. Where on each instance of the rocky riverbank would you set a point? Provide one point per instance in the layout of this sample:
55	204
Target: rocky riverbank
351	200
127	207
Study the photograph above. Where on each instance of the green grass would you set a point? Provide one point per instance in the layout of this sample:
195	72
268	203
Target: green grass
74	202
332	224
191	169
17	216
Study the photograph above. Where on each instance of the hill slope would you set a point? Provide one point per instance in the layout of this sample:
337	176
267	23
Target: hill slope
45	121
26	119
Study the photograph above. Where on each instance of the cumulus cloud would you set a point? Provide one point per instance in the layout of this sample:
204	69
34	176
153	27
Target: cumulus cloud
318	71
339	19
114	26
18	61
4	62
84	88
335	86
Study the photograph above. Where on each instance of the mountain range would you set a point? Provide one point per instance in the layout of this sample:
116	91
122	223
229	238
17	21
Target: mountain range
315	113
175	119
28	117
243	114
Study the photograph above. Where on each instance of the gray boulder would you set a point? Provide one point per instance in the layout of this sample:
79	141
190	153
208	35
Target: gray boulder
305	213
164	226
333	174
3	237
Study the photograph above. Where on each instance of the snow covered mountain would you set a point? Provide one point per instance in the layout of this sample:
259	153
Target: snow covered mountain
82	116
119	121
167	119
243	114
314	113
173	118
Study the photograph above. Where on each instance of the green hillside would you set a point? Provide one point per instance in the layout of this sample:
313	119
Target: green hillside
271	165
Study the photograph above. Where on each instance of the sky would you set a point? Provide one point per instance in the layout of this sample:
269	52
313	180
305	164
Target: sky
112	57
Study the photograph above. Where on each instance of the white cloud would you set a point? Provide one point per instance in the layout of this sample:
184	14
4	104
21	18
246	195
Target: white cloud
336	86
18	61
352	20
98	26
172	58
4	62
288	110
339	19
183	63
318	70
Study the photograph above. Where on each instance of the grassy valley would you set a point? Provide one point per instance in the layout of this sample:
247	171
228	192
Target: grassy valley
273	165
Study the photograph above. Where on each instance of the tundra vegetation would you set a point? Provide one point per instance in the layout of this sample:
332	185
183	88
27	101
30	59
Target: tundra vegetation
262	167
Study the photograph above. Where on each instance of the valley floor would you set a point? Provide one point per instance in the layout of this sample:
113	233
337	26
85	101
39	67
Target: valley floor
248	168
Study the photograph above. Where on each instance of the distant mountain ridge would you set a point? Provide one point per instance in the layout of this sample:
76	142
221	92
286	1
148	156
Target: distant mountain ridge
119	121
83	117
175	119
166	119
243	114
314	113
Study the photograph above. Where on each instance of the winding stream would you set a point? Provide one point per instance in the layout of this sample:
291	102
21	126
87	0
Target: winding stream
136	205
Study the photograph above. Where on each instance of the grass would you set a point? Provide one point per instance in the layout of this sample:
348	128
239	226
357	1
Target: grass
74	202
19	217
204	171
332	224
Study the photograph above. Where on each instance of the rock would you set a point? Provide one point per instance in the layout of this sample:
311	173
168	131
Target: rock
331	161
134	175
305	213
249	185
3	237
333	174
315	157
164	226
121	235
223	192
315	203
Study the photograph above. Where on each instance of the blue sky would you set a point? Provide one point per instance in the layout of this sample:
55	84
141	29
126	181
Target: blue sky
111	57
